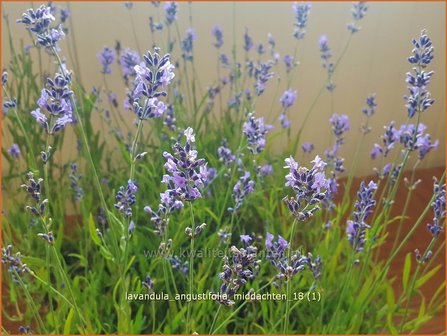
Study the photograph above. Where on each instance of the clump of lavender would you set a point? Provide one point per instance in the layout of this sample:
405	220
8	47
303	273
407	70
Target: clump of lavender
14	151
188	44
326	55
241	189
218	35
310	187
237	271
153	75
170	12
287	100
106	57
14	262
125	198
419	99
184	181
78	192
255	130
301	11
38	23
276	254
438	206
359	10
416	140
55	101
356	229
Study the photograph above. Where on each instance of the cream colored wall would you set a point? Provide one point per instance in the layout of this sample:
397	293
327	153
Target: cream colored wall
374	62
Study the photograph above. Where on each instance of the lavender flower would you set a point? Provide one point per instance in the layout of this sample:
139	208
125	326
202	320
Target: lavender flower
125	198
218	35
184	181
225	154
237	271
419	99
78	192
14	151
25	330
170	12
262	74
288	98
224	235
128	59
289	63
152	77
155	26
326	55
438	206
356	229
285	123
264	170
248	41
148	283
65	14
416	140
310	187
14	262
106	57
277	257
424	145
38	23
55	99
169	118
4	77
301	17
255	130
376	151
178	264
188	43
340	125
241	189
128	5
307	147
371	106
359	10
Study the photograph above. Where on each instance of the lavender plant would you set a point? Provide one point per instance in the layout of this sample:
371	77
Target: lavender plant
155	202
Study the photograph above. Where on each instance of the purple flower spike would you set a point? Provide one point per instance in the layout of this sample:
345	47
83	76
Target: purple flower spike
288	98
106	57
255	131
14	151
218	35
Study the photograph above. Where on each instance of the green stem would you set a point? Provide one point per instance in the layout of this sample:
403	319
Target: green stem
289	280
191	270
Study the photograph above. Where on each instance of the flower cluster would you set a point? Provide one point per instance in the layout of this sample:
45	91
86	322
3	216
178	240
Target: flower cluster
287	99
128	59
188	43
301	17
125	198
255	131
359	10
419	99
106	57
237	271
340	124
241	189
307	147
262	74
14	262
225	154
152	77
78	192
14	151
218	35
38	23
34	188
310	187
184	179
55	99
356	229
326	55
248	41
170	12
438	206
277	257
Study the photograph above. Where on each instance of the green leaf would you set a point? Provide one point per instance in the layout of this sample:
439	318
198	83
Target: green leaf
390	301
106	253
427	276
67	326
406	271
93	233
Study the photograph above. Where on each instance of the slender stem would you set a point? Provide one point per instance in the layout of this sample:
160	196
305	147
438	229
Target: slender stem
191	269
289	280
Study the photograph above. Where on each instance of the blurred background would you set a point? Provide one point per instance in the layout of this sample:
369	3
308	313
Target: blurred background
374	62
